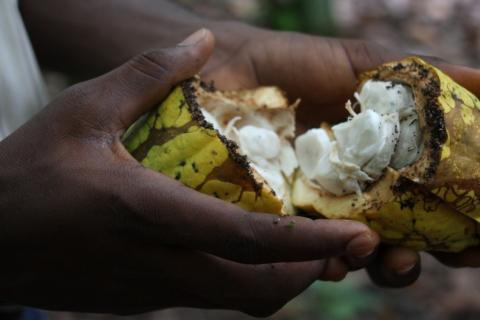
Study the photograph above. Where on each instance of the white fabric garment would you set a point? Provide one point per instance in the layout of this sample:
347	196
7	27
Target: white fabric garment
22	91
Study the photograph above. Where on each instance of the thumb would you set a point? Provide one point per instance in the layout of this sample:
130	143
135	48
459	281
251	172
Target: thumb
124	94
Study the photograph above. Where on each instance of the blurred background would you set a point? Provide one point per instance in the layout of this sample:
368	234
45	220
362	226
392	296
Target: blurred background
449	29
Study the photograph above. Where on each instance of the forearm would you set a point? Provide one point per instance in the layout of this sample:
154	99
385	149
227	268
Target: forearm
96	35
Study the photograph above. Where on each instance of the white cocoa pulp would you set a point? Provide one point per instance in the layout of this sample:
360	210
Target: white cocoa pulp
262	135
384	133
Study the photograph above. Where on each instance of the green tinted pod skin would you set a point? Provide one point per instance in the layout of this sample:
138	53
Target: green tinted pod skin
175	140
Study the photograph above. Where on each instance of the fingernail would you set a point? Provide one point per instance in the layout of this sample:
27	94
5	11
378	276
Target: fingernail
193	38
361	246
405	269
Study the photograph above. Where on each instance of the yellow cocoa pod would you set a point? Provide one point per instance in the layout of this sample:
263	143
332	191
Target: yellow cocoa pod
432	204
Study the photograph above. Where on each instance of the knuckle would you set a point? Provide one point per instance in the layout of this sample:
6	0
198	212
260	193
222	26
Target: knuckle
245	244
157	64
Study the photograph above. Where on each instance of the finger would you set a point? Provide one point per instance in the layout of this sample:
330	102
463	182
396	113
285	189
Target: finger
147	277
177	215
120	97
335	270
395	267
207	281
468	258
355	263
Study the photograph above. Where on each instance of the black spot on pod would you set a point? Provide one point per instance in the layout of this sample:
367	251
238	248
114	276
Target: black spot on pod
194	167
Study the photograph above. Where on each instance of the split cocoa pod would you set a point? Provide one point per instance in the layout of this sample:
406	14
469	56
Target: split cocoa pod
406	162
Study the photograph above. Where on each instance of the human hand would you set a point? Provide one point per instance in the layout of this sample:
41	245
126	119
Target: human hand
323	73
85	227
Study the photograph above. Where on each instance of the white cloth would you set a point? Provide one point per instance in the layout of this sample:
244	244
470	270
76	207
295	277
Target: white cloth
22	91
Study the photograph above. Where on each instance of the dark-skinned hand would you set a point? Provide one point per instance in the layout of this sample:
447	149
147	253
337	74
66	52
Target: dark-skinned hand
321	71
84	227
